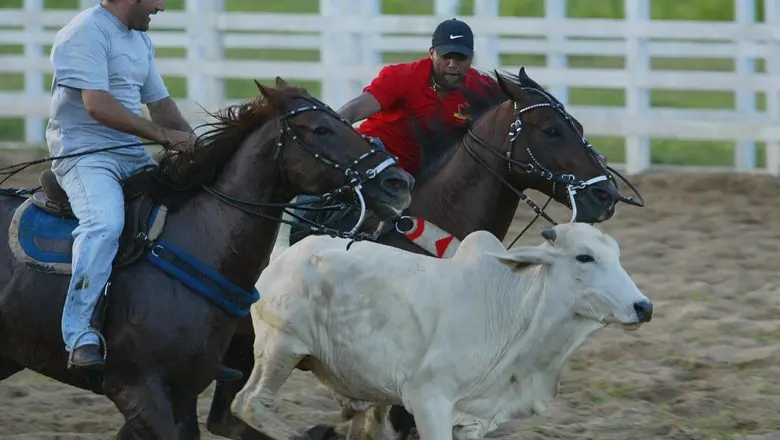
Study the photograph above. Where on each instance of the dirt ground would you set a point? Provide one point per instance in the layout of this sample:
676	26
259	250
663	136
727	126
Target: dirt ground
706	249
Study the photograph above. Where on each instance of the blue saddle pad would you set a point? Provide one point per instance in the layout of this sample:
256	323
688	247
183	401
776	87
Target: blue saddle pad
43	239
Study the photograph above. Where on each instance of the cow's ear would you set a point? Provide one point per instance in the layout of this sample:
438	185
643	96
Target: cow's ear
525	257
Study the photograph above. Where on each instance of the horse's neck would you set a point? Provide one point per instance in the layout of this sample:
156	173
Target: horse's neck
234	243
464	196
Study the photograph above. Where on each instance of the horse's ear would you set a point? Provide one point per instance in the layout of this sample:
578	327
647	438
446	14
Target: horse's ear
503	85
281	83
263	89
522	73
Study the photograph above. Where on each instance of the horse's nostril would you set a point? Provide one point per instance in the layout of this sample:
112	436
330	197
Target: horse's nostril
602	194
394	185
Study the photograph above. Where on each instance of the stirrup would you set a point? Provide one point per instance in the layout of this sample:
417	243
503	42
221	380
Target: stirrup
101	342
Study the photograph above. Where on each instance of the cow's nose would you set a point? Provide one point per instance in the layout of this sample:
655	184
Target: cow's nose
644	310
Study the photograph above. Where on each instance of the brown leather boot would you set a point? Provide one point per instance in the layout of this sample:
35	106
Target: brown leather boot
87	357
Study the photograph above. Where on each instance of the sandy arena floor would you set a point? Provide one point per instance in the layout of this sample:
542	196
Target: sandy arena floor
706	250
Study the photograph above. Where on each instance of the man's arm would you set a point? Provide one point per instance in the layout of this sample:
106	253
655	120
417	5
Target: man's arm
165	113
162	109
360	108
385	91
105	109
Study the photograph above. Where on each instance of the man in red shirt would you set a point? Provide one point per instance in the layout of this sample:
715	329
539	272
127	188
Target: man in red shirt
431	88
441	90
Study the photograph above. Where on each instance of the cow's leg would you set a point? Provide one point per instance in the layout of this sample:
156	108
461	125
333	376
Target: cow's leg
356	426
254	404
354	411
432	414
349	406
378	424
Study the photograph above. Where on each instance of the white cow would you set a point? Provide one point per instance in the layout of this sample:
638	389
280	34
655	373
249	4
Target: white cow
464	344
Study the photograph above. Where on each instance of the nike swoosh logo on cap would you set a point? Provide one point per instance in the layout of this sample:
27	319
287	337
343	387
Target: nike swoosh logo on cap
452	37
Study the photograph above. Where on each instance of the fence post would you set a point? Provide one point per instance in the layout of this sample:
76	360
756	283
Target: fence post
204	46
772	16
448	8
486	52
555	10
33	79
637	95
745	151
331	52
358	47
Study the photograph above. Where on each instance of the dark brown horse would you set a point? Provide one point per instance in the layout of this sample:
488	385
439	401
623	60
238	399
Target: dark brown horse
170	315
521	138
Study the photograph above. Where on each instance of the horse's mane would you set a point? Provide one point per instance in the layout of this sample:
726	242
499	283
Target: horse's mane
437	140
184	172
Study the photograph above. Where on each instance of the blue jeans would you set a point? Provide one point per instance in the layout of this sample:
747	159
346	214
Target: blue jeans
97	200
303	199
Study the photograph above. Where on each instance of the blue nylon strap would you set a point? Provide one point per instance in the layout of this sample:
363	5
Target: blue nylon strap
202	279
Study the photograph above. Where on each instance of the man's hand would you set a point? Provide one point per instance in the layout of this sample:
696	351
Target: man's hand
180	140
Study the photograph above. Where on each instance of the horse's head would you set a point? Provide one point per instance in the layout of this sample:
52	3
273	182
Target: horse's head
547	151
321	153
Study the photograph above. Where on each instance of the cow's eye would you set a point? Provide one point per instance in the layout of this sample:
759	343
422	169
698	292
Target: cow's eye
585	258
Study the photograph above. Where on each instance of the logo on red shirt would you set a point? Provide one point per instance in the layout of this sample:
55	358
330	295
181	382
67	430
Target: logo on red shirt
461	113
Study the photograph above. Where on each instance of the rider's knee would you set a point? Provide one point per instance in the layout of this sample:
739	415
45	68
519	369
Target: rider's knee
113	226
109	227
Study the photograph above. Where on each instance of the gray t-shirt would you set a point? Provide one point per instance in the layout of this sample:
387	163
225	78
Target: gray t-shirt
95	51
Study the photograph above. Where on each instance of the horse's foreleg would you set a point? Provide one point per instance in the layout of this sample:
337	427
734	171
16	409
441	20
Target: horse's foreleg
147	410
221	422
8	368
185	413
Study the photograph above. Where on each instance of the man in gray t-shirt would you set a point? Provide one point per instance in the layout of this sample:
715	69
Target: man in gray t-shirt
103	71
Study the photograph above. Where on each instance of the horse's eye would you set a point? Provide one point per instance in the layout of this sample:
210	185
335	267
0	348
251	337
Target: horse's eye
322	130
552	131
585	258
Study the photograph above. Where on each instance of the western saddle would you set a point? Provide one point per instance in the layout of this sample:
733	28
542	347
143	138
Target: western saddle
52	198
139	206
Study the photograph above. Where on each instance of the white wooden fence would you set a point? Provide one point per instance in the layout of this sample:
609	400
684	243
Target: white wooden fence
350	36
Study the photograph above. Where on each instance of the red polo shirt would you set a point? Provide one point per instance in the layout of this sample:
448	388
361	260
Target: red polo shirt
404	92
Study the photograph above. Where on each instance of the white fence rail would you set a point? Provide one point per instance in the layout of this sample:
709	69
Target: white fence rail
351	35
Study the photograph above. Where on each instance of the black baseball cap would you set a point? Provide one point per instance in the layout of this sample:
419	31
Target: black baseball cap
453	36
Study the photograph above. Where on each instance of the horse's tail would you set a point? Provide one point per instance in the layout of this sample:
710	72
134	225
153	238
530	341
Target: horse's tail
283	236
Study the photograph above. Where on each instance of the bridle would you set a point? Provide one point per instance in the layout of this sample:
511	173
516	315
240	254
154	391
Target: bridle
572	184
354	176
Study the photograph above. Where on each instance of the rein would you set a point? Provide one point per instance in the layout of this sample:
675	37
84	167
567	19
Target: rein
572	184
354	177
